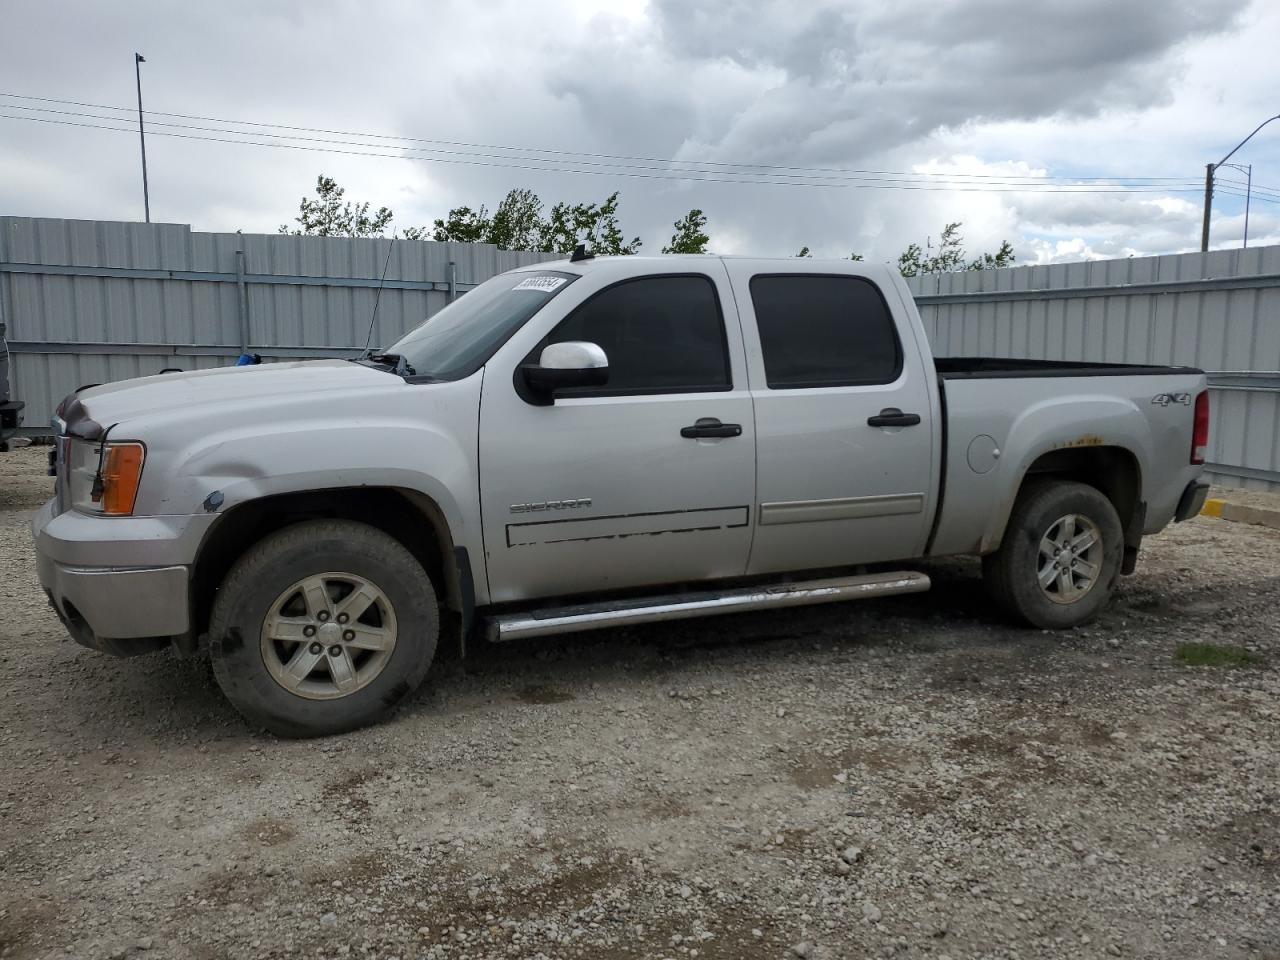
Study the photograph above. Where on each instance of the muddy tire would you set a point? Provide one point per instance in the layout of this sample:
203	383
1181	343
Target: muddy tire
323	627
1060	557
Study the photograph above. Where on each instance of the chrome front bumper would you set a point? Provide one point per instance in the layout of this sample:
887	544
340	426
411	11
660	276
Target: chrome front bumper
99	602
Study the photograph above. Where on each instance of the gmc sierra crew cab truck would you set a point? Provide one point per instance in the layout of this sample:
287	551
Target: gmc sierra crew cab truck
589	443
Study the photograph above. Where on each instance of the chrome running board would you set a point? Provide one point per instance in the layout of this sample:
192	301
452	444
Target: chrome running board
592	616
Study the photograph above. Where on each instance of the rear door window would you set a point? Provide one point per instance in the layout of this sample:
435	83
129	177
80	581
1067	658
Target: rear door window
824	331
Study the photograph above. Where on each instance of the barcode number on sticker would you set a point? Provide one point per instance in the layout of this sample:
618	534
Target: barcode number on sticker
545	284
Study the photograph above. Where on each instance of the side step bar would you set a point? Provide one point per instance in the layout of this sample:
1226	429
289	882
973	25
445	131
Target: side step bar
593	616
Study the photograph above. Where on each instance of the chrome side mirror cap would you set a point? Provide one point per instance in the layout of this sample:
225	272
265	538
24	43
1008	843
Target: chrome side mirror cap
573	355
572	363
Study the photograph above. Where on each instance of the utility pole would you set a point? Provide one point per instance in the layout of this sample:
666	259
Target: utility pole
138	60
1208	205
1208	182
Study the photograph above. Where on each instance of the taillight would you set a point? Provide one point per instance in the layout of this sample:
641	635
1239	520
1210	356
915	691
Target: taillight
1200	429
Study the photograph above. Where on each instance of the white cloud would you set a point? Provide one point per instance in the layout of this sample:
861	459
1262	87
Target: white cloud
992	87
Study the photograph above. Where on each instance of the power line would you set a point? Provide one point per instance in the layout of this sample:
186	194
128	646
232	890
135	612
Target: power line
741	168
1244	184
670	175
733	173
1241	195
996	179
1241	187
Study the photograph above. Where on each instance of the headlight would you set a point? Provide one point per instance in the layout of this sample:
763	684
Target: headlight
121	469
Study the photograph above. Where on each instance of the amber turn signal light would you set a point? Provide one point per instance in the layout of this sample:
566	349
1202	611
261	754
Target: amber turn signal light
121	472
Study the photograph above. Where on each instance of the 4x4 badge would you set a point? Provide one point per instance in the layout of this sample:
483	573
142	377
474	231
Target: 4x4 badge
1164	399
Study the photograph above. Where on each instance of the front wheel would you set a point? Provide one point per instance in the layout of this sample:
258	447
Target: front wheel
322	627
1060	557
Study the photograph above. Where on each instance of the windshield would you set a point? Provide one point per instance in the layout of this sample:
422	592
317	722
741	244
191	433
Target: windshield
459	340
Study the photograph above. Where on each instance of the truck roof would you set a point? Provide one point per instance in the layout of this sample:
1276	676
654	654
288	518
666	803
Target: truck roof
697	259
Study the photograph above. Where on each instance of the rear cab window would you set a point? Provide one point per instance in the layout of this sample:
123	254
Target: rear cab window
824	331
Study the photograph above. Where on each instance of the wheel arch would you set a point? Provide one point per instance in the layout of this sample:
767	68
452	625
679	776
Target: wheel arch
409	516
1113	470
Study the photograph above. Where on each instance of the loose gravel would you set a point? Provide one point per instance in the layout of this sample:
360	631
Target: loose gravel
900	778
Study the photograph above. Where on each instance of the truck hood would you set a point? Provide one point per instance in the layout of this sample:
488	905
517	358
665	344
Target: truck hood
233	387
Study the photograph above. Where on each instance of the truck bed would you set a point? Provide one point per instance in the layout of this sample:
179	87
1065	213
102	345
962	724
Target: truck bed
1001	415
988	368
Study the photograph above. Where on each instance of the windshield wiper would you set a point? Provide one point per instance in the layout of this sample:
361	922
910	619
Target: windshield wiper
398	364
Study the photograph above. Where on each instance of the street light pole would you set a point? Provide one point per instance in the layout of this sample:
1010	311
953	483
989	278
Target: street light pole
138	60
1247	170
1248	195
1208	182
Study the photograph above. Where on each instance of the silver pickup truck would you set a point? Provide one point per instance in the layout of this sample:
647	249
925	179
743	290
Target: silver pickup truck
590	443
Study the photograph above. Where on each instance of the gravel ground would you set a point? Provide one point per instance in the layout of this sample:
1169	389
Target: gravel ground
907	778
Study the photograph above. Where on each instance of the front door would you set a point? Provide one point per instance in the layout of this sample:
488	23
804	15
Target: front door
843	421
605	489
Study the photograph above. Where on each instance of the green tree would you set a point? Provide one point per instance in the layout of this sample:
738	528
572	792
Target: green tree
991	261
462	225
519	224
516	225
689	236
330	216
593	224
804	252
950	256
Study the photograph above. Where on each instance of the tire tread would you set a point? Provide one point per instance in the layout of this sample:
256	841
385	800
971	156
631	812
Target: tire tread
1000	569
250	567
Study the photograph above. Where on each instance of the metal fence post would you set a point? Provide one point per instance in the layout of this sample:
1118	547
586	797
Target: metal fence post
242	299
453	281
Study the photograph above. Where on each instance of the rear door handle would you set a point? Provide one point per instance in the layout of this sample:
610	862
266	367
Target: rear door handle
711	427
893	417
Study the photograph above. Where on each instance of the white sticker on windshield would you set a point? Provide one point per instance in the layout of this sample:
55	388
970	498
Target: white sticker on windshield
545	284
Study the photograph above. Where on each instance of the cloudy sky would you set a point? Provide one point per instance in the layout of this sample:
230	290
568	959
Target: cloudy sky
983	111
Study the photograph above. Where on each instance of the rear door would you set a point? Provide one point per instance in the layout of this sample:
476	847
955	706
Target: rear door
617	486
845	469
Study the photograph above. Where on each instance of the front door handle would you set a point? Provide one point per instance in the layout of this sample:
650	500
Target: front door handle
893	417
711	427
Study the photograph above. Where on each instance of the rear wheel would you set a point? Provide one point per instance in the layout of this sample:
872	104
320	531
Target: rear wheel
323	627
1060	557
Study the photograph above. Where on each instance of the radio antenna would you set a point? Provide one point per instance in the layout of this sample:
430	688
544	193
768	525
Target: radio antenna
383	279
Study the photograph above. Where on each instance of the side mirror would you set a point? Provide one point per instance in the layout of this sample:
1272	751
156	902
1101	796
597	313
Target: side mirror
574	363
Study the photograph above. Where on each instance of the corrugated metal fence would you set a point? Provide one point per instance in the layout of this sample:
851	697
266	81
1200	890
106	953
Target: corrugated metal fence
1219	311
90	301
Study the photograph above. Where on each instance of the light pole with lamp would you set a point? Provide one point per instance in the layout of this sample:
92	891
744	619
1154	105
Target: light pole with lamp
1209	170
138	60
1247	170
